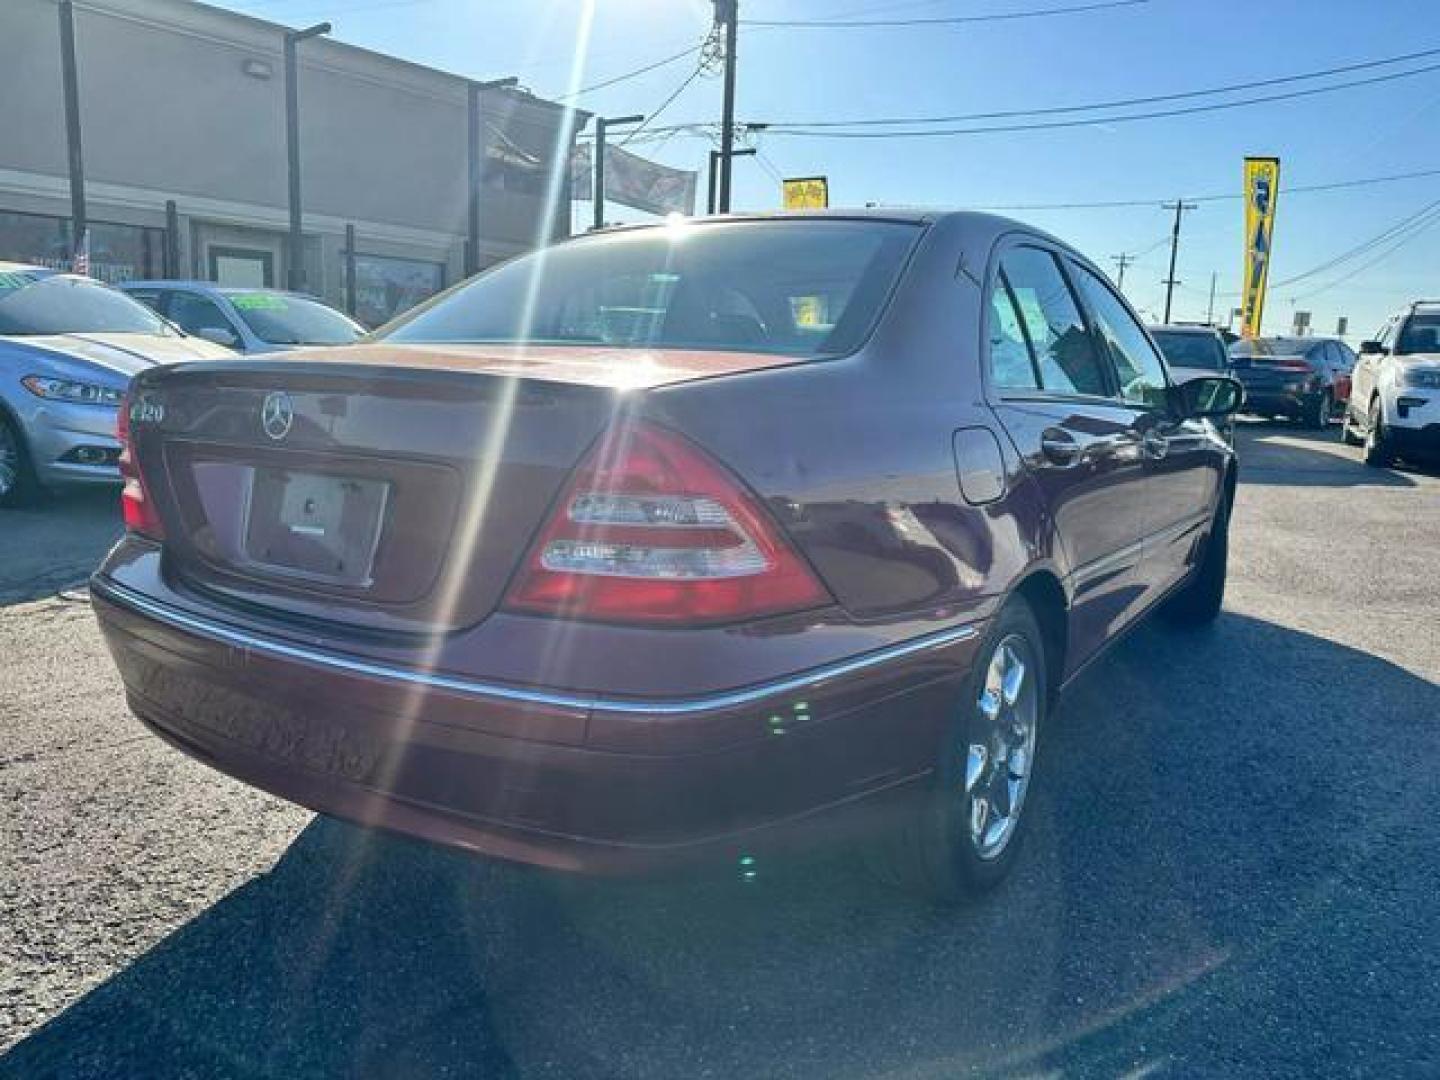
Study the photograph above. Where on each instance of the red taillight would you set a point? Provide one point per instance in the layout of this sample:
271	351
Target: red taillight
651	530
136	506
1291	363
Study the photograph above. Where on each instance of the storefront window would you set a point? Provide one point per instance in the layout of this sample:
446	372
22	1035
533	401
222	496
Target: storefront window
117	252
384	287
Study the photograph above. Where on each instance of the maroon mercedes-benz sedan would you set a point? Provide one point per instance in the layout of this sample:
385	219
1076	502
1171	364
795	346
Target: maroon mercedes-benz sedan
685	541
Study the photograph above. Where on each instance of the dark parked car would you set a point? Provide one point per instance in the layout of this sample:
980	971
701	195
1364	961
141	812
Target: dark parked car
1305	379
676	542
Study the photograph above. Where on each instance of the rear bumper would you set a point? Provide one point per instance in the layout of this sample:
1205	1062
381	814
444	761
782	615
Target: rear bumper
419	754
1415	441
1270	401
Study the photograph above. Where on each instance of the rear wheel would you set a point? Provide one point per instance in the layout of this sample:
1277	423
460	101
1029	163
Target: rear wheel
1317	413
1199	599
1348	435
1377	441
964	836
17	479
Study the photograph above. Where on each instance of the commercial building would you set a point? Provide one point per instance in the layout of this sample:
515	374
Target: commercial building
182	107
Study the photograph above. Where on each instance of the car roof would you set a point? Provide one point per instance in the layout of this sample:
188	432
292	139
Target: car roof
1183	328
213	287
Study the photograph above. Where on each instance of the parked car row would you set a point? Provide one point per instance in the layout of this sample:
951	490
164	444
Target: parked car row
70	345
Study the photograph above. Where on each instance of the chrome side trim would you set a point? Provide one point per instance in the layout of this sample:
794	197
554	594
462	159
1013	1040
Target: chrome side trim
124	597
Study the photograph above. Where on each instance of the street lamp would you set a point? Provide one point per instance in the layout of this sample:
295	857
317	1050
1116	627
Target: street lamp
295	275
715	156
601	124
472	249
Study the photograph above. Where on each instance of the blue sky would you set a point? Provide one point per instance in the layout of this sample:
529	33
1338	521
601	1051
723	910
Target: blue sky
1159	47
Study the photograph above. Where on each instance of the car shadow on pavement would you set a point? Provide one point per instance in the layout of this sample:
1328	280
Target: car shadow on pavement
1228	869
56	543
1274	452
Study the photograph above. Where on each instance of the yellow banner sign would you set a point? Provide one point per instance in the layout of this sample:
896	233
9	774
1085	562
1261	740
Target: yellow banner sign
1262	188
806	193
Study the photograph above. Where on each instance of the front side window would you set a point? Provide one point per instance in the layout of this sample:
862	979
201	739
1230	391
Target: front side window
193	313
1421	333
805	288
1138	366
1064	349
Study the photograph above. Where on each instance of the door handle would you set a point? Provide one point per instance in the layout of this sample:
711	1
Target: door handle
1059	447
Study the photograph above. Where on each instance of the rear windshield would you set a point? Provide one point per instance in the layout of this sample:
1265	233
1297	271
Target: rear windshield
292	320
1190	350
806	288
62	304
1273	347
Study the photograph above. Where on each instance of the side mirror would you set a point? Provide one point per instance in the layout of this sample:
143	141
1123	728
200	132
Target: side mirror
218	335
1210	397
1371	348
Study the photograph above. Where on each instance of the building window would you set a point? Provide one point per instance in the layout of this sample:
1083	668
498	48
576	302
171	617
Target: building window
117	252
384	287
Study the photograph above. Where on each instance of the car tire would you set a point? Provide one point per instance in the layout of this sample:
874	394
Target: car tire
1199	600
1377	452
1317	415
1348	434
945	850
18	486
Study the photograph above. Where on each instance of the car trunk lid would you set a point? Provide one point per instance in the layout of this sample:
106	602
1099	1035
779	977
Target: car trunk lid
384	488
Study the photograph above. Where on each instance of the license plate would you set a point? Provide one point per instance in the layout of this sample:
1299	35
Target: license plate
315	525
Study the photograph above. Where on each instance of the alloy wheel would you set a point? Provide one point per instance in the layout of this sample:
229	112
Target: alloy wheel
1000	757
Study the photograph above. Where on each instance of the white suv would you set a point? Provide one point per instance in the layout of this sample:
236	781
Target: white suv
1394	408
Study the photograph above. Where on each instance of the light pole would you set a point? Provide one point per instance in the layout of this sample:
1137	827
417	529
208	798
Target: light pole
295	274
715	156
72	125
472	249
602	123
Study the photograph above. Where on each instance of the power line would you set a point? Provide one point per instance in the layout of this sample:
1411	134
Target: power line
798	132
1118	103
1107	204
956	20
690	50
1416	230
1363	248
664	104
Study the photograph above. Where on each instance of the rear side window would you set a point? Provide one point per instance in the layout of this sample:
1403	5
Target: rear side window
1137	363
1064	350
1011	365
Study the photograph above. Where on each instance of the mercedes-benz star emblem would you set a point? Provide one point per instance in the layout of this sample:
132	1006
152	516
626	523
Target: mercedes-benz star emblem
277	414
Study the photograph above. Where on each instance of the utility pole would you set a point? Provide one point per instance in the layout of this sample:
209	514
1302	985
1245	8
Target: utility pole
295	273
1122	261
72	125
1210	310
714	166
472	249
602	124
1179	206
728	13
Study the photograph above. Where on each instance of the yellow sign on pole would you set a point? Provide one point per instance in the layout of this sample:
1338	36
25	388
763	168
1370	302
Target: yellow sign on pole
1262	188
806	193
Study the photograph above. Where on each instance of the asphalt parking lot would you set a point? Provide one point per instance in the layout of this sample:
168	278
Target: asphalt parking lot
1234	869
